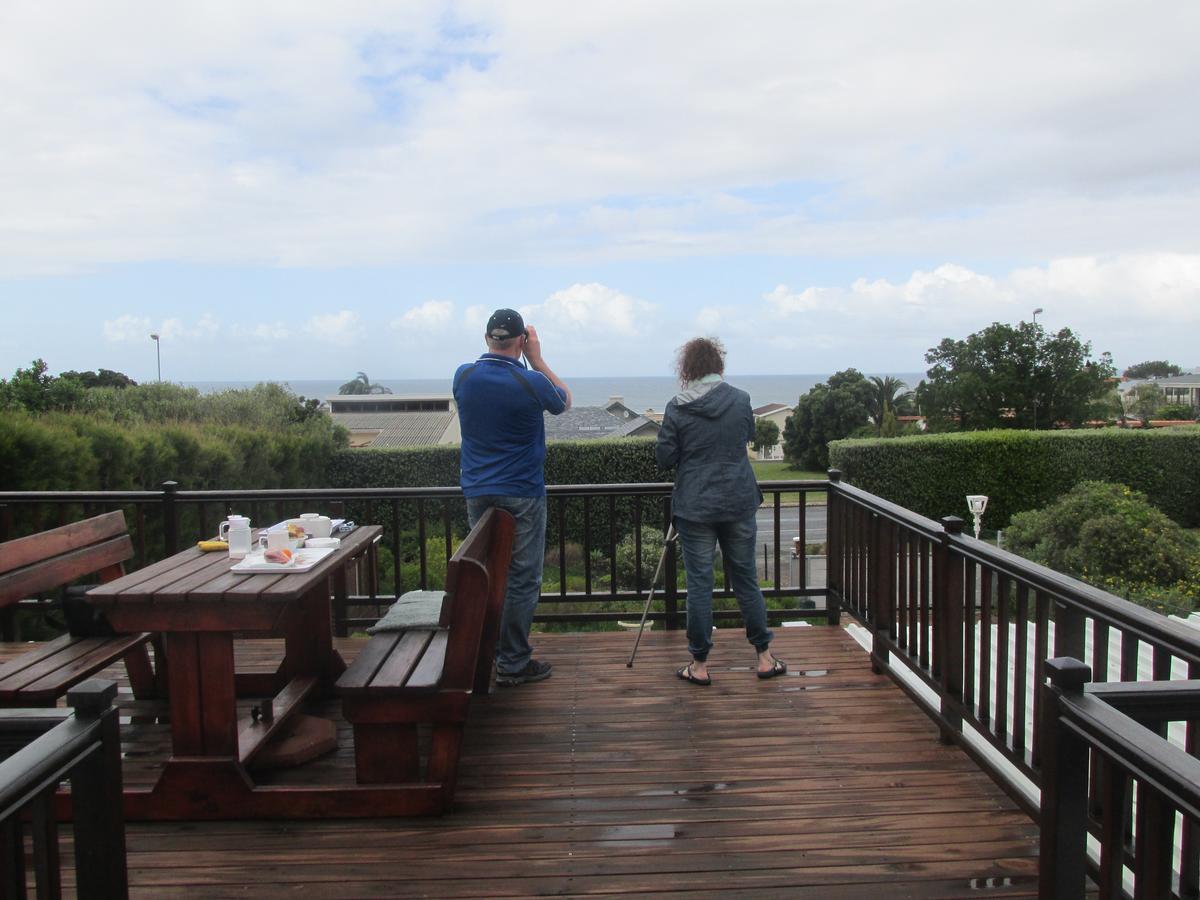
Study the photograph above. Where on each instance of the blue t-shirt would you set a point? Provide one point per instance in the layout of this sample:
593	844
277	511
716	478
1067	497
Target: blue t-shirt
500	405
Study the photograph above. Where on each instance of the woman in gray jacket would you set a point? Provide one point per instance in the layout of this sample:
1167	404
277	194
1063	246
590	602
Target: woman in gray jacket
704	434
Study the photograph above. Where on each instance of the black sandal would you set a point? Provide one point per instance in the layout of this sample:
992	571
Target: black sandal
686	674
779	668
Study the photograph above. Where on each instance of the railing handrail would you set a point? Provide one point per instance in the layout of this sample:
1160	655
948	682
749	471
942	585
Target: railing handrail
81	744
1137	620
1083	731
361	493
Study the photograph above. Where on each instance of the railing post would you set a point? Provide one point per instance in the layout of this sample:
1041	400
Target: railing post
8	631
948	625
671	580
881	590
97	809
834	564
1063	820
170	516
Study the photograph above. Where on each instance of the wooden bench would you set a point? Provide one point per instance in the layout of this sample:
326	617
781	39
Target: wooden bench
426	675
49	560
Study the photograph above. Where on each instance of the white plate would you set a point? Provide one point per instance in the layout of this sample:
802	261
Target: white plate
302	561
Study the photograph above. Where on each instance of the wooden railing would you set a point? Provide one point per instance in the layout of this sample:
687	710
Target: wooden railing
967	628
963	627
594	518
1140	783
82	744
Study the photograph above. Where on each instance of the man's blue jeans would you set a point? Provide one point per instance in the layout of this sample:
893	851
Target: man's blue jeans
524	575
737	539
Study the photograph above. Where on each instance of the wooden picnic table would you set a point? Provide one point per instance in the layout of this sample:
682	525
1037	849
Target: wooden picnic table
200	608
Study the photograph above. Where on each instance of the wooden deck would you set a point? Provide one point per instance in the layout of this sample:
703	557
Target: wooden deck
608	781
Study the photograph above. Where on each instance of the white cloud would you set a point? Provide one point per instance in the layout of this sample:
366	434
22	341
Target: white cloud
313	136
710	318
268	332
475	318
340	329
590	309
432	315
127	328
1091	295
130	328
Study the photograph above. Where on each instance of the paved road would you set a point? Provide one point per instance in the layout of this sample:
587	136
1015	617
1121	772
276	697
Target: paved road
814	525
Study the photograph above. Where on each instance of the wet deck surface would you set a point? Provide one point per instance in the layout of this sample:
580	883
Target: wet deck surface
604	780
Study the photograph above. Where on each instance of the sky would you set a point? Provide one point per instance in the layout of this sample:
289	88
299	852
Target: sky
300	190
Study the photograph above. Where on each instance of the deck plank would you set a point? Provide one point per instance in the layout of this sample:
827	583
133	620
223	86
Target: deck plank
606	781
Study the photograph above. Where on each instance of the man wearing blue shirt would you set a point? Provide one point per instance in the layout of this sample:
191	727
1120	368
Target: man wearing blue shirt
500	402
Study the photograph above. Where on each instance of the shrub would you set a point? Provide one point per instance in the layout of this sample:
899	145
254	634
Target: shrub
1097	530
627	568
1020	470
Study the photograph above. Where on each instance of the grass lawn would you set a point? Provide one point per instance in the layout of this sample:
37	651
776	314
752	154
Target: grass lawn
771	470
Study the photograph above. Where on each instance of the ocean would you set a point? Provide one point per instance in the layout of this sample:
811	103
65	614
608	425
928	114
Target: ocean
638	393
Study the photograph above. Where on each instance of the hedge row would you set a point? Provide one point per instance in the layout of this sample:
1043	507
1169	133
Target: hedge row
65	452
1020	470
611	461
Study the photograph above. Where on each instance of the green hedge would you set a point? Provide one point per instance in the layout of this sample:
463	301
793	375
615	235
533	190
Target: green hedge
70	452
605	461
1020	470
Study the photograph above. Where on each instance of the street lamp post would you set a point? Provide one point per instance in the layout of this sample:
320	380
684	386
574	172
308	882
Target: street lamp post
157	354
1035	398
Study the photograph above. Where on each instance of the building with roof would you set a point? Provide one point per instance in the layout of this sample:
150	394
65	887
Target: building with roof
614	419
394	420
777	413
1182	389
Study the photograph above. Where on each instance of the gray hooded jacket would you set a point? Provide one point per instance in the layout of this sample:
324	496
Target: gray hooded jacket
704	435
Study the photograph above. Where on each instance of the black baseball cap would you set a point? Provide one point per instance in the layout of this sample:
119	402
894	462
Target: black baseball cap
505	324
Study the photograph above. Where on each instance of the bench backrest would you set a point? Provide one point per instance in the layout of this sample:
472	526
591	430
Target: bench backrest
51	559
476	578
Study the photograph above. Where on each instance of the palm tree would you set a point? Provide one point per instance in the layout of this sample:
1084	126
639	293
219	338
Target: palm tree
362	385
887	393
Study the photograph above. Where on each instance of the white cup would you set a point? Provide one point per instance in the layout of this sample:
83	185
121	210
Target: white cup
316	525
275	539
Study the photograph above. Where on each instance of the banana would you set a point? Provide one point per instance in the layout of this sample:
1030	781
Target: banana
210	546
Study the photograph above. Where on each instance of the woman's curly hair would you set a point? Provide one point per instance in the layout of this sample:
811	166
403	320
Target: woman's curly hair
699	357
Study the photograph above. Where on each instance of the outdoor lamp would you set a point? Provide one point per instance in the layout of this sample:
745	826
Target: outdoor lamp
1035	315
977	504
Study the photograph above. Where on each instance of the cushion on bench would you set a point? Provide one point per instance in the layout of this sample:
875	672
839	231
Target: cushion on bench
414	609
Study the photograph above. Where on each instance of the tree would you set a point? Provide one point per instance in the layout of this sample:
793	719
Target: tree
1010	376
101	378
1153	368
36	391
830	411
1142	400
766	435
887	394
362	385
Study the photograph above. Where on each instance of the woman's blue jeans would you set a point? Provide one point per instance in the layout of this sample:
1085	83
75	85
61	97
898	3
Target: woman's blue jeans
524	575
737	539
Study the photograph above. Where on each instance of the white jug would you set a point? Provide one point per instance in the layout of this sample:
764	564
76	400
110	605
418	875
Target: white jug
236	530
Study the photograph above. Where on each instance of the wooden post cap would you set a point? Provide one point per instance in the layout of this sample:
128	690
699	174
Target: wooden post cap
1068	673
92	697
952	524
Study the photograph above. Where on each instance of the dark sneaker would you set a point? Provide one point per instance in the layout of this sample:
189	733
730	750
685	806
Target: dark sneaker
533	671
